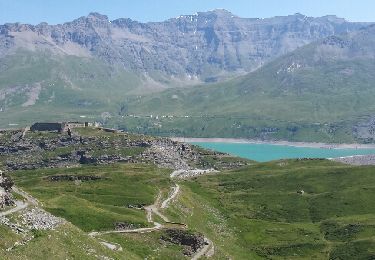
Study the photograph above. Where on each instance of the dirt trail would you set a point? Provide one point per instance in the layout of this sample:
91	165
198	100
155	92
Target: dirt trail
173	195
207	250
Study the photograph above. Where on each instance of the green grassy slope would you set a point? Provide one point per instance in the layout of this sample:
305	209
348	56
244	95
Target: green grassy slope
97	205
66	242
70	86
257	211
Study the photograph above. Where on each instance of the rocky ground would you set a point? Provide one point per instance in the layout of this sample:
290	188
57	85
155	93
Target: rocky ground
53	150
20	151
28	221
173	155
191	242
357	160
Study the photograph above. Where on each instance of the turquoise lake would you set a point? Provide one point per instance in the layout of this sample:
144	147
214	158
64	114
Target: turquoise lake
269	152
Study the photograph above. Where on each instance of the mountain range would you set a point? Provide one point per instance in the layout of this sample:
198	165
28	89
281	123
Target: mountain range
281	77
203	46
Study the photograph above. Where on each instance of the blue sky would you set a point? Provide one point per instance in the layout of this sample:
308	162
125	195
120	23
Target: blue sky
59	11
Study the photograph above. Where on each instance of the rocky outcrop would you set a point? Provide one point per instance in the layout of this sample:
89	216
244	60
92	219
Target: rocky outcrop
6	198
57	150
40	220
170	154
191	242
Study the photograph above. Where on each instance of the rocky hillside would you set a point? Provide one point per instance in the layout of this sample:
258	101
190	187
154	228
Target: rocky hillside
204	46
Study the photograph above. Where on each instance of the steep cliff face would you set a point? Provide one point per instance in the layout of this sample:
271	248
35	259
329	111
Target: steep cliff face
206	46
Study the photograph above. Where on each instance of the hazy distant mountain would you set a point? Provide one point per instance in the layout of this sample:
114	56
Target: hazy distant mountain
204	46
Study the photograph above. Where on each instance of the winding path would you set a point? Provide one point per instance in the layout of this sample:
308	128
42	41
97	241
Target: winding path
173	195
207	250
150	210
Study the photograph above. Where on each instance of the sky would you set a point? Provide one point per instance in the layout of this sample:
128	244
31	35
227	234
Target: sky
60	11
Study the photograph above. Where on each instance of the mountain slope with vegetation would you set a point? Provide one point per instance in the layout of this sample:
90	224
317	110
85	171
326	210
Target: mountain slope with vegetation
39	84
321	92
288	209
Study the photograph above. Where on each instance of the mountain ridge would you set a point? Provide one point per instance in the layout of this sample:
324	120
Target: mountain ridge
203	46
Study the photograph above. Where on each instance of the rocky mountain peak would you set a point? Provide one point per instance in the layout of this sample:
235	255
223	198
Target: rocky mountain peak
216	14
222	13
334	19
94	19
97	16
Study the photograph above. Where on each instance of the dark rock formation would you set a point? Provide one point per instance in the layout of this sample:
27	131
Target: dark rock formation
191	242
6	182
6	198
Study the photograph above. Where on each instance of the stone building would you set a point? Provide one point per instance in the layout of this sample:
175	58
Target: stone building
59	127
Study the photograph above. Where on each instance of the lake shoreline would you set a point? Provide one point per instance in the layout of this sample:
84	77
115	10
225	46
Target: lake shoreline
286	143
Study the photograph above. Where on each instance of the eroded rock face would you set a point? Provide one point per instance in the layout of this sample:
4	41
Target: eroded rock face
200	46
